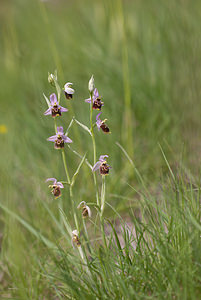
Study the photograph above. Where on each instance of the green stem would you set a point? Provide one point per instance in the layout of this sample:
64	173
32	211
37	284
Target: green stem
103	231
103	195
71	189
74	209
55	125
102	209
94	147
65	166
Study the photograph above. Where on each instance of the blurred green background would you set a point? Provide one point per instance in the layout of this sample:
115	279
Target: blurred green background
146	60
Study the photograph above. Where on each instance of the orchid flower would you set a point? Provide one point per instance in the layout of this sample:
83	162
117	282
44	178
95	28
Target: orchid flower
102	165
55	109
56	187
75	239
86	211
97	103
59	139
68	91
101	124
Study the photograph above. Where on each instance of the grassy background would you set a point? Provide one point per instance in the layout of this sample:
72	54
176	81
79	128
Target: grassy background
146	59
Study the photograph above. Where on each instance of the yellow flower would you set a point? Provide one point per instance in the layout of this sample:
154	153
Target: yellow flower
3	129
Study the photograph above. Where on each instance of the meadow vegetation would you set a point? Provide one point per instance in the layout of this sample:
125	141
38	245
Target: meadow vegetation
146	60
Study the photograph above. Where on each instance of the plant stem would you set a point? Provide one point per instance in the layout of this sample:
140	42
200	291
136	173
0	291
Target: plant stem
71	189
102	210
94	147
65	166
103	195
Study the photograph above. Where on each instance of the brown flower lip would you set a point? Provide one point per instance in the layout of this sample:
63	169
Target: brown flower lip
59	143
59	139
97	103
104	169
56	111
68	96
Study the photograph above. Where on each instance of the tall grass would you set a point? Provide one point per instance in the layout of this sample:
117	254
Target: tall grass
146	61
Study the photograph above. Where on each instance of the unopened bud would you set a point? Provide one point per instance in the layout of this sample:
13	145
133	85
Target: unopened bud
91	85
52	78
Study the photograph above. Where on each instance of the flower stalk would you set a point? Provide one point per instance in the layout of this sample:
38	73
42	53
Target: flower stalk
94	147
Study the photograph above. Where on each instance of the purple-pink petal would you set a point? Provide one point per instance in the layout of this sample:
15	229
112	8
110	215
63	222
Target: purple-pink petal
96	166
60	184
52	138
48	111
102	157
88	100
53	99
96	94
51	179
97	117
98	123
63	109
66	139
60	130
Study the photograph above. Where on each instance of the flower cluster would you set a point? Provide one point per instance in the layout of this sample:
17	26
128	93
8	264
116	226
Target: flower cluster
60	138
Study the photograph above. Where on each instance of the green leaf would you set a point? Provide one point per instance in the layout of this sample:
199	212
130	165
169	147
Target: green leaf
83	126
80	156
77	171
47	100
69	126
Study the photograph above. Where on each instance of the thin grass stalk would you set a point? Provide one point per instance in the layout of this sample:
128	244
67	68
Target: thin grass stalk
128	113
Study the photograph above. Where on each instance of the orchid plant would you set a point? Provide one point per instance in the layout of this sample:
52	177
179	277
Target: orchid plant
60	139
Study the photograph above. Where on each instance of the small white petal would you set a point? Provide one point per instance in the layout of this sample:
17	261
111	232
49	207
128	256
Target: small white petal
69	90
82	203
89	211
75	232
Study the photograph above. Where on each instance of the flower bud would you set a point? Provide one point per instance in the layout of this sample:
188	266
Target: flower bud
91	85
51	79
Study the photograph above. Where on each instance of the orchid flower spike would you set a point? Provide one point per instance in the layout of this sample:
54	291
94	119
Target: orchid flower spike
97	103
86	211
59	139
102	165
55	109
101	124
56	187
75	239
68	90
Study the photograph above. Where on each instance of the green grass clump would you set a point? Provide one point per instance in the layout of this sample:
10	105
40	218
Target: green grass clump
145	56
